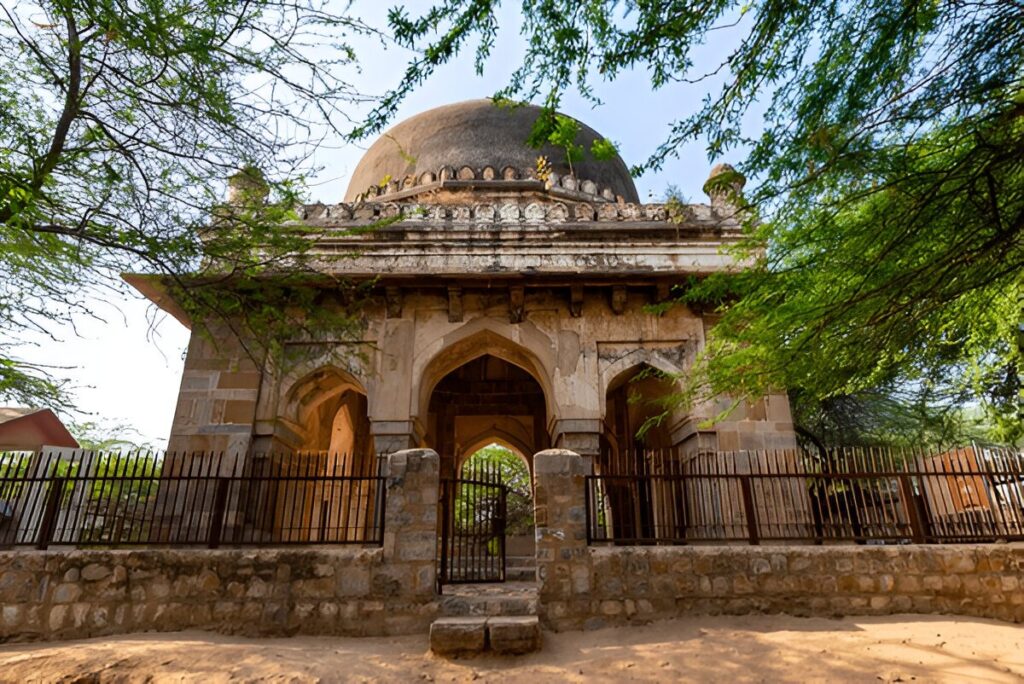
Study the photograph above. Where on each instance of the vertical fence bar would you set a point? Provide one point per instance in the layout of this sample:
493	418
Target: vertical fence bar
49	521
219	507
917	531
750	511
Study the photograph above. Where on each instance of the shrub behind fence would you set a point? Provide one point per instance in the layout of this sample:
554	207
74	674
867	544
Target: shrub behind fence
971	494
98	499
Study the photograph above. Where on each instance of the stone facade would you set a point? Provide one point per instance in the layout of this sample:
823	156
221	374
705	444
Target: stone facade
590	587
475	254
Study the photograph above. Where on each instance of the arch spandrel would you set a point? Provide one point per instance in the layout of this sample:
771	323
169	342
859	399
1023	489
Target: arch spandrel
612	374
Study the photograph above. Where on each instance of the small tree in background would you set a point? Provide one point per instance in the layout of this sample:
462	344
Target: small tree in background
514	475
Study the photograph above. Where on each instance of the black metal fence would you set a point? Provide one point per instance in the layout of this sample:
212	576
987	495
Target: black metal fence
98	499
874	496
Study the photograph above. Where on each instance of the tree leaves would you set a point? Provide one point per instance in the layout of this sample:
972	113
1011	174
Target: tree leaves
886	204
120	124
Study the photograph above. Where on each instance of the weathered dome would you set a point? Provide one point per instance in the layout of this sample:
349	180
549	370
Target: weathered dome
478	133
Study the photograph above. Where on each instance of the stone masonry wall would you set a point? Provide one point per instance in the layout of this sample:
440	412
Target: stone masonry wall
329	590
266	592
621	585
590	587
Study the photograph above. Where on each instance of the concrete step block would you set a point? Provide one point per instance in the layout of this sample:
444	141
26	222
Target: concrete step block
514	635
487	606
451	636
521	574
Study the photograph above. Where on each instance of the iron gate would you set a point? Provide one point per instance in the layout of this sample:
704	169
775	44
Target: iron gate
472	526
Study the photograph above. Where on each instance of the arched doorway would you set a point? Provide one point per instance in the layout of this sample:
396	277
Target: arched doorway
514	472
486	418
486	399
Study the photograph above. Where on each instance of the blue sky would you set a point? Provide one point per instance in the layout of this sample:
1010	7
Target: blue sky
126	368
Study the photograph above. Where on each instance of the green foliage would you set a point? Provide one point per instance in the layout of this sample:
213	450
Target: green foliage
564	136
99	436
514	475
915	417
886	210
120	123
561	131
603	149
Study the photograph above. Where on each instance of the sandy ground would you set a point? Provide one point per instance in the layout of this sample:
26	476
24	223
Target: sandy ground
730	649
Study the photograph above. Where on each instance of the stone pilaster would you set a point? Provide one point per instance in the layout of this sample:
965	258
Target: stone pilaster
560	512
410	521
390	436
579	435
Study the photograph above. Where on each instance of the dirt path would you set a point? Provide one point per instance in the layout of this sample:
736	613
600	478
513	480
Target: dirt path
729	649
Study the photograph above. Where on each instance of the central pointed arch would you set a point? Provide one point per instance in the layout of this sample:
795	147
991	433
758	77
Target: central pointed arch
472	342
483	386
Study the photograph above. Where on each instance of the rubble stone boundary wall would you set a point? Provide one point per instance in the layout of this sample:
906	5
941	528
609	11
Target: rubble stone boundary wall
267	592
590	587
615	586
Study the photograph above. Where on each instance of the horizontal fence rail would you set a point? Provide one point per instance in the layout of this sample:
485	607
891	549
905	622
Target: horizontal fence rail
872	496
99	499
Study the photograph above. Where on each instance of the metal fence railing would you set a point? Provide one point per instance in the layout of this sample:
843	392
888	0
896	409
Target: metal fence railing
98	499
874	496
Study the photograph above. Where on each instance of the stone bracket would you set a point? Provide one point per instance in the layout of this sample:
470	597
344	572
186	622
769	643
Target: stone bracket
576	301
393	299
454	304
516	304
618	299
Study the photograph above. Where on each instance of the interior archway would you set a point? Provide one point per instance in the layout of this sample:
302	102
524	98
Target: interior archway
635	407
483	400
470	346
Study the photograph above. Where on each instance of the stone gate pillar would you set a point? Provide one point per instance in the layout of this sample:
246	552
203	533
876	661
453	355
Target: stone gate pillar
560	513
410	520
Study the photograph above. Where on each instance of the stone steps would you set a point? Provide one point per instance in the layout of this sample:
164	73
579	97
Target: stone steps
520	568
489	605
503	635
520	574
500	617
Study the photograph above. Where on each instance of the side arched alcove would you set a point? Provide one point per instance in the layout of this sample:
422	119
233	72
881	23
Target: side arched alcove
321	430
638	415
327	411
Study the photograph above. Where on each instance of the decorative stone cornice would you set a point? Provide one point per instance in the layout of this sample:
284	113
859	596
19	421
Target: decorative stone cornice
508	178
512	212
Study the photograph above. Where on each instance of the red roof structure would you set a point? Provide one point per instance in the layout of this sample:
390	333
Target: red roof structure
31	429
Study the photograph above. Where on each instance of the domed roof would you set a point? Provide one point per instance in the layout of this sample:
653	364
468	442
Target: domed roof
478	133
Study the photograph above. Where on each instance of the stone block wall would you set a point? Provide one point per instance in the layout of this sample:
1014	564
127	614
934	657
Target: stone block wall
217	399
559	516
591	587
329	590
639	584
267	592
